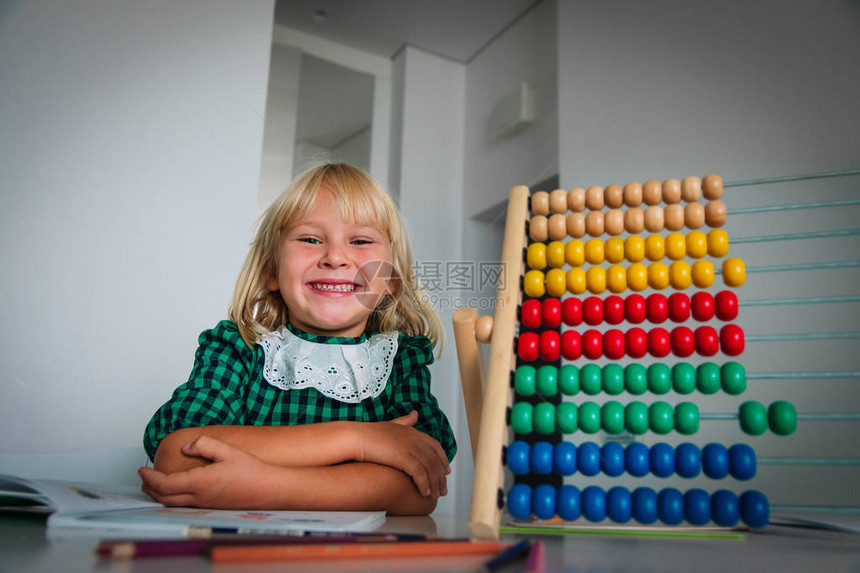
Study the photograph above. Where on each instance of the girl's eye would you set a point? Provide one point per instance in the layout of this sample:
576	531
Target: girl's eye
362	242
310	240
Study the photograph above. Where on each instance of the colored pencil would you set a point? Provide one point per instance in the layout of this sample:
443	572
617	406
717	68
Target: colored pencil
505	557
535	561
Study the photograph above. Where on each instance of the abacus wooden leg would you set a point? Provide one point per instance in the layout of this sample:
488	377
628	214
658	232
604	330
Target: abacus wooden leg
471	370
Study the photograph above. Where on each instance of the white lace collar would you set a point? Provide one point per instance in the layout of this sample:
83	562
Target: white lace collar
346	372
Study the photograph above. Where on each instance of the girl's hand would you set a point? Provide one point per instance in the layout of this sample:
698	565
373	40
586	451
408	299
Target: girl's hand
397	444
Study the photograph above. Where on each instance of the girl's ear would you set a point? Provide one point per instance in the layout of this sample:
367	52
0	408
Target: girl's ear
272	284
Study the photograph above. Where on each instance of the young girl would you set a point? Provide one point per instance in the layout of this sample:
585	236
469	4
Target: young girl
316	393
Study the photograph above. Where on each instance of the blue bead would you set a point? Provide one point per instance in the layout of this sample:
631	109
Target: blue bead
543	501
715	461
593	502
612	459
688	460
636	459
670	506
697	506
520	501
724	508
564	458
541	458
619	505
755	510
567	503
588	459
518	458
644	505
662	460
742	462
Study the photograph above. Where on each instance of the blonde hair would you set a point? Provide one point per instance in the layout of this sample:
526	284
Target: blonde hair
256	310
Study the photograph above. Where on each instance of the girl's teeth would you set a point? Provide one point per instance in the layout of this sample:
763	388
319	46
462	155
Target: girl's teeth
336	288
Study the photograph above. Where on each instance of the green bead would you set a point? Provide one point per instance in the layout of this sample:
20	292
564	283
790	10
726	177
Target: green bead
544	417
734	378
660	418
613	379
565	417
547	381
635	379
612	417
683	378
708	378
687	418
753	418
589	417
636	418
782	418
521	418
524	380
568	380
659	378
590	379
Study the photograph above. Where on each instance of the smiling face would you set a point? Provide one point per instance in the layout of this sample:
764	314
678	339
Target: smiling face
328	270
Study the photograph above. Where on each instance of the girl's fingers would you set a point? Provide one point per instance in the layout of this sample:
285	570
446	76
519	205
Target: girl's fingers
208	448
409	419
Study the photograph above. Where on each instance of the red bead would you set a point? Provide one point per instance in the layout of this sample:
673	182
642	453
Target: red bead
702	305
636	342
679	307
656	308
571	311
732	339
683	343
571	345
707	341
613	344
592	310
527	346
726	303
658	342
613	309
550	312
634	308
530	313
592	344
549	345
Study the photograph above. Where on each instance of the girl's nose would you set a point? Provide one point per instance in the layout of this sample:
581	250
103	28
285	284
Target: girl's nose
334	256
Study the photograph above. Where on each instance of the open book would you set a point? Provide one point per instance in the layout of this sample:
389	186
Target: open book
121	511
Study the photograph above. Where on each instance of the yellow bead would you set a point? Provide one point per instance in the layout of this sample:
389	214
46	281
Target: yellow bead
536	256
637	277
676	246
613	250
616	278
679	275
533	284
734	272
658	276
556	284
555	254
634	248
655	247
697	245
595	279
594	251
574	253
576	280
703	274
718	243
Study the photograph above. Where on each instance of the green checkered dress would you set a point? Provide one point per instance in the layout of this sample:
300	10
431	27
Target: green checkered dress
226	387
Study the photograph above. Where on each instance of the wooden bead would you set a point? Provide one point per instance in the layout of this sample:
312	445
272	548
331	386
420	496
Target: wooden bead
634	220
691	189
673	216
538	228
594	198
694	215
671	191
576	225
558	201
540	203
613	222
654	218
633	194
613	196
712	186
594	223
652	192
557	227
484	329
715	213
576	199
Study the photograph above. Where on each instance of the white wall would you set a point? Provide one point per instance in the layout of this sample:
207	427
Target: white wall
130	154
